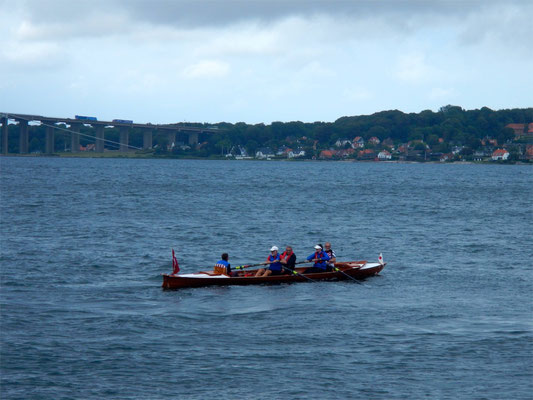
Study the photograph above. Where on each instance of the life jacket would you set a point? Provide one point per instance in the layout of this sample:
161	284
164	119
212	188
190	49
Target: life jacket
275	266
319	255
221	267
287	256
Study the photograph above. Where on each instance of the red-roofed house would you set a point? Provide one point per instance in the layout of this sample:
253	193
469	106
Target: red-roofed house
403	148
374	140
358	142
367	154
344	153
517	128
500	154
326	154
530	128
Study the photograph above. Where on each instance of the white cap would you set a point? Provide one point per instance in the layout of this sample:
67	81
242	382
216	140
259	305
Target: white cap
318	247
274	248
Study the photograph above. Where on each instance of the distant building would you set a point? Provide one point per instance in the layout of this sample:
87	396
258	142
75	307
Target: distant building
326	154
457	149
519	129
384	155
374	140
342	142
283	151
367	154
500	154
446	157
488	141
296	153
344	153
358	142
265	152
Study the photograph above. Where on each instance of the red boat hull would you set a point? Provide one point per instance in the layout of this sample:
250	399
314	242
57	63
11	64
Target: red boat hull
355	269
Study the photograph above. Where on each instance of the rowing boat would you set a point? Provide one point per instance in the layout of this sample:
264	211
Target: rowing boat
354	269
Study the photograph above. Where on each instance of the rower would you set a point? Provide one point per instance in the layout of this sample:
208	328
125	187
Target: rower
332	256
273	260
288	259
223	267
319	257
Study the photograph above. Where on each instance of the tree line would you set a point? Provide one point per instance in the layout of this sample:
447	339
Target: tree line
451	124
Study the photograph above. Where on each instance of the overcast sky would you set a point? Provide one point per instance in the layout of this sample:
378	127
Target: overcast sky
165	61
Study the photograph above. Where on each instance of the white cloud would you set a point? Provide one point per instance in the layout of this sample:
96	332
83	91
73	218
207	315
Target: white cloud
37	56
207	69
261	60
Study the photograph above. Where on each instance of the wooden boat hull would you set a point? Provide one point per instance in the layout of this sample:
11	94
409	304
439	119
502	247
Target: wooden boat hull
355	269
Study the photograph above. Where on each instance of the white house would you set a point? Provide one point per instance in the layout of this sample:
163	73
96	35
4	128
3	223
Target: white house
384	155
296	153
342	142
500	154
264	152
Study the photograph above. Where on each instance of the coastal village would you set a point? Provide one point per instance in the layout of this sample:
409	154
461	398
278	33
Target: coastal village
450	135
519	148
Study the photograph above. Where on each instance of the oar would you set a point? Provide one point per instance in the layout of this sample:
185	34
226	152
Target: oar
344	273
297	273
263	263
249	265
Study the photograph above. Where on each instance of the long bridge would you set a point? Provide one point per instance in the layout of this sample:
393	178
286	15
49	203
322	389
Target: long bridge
124	126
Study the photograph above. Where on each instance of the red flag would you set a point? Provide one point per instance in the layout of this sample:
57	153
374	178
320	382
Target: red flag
175	265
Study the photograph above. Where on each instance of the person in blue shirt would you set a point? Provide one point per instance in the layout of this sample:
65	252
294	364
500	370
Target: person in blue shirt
275	267
223	267
319	257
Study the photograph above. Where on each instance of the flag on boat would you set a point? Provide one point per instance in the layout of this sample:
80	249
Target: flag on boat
380	258
175	265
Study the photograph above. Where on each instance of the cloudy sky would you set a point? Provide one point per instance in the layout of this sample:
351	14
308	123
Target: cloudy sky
165	61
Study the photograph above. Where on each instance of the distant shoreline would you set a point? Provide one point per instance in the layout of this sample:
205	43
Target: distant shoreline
131	155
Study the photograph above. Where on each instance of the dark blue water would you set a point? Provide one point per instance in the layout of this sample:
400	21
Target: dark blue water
84	241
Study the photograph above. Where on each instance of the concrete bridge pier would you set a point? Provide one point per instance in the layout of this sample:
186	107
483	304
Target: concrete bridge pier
4	122
99	144
75	138
124	138
147	138
23	137
50	139
193	138
171	139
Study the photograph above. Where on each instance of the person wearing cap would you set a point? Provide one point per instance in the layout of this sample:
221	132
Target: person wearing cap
319	257
273	260
288	259
332	256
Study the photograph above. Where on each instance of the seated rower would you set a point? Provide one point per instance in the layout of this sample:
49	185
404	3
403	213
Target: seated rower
223	267
288	259
273	260
331	254
319	257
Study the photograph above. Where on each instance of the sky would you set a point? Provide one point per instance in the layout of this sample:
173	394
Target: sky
256	61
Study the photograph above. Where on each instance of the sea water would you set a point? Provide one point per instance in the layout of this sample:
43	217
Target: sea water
84	241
